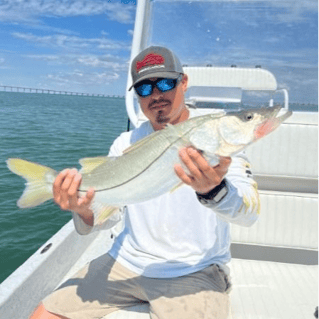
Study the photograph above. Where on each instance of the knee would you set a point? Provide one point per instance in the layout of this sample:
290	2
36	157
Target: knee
41	313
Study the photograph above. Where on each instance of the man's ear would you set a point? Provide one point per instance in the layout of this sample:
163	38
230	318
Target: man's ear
185	82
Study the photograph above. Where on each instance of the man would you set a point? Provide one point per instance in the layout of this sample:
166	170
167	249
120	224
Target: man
174	249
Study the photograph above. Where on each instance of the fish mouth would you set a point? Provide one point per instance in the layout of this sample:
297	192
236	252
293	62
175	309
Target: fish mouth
271	122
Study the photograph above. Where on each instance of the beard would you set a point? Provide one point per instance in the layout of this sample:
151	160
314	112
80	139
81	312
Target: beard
161	118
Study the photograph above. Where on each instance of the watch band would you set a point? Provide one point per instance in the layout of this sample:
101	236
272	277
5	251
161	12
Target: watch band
215	195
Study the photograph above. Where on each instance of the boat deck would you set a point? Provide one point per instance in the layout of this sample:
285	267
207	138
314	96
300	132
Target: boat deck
261	289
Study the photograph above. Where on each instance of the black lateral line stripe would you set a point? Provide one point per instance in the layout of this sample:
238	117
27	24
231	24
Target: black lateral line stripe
127	181
141	172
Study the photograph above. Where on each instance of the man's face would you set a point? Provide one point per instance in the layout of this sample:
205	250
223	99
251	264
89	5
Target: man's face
162	108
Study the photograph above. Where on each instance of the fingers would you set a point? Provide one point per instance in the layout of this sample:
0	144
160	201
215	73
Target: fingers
195	162
65	191
67	186
87	198
57	185
222	167
201	176
71	189
182	175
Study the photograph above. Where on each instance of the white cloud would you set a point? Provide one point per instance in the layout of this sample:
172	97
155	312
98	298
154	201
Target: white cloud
108	69
32	10
103	62
81	78
109	62
73	42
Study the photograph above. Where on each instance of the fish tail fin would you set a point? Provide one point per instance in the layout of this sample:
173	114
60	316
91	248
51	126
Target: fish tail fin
39	181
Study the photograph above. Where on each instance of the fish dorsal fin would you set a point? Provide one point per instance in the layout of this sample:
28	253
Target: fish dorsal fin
143	141
140	143
90	163
135	145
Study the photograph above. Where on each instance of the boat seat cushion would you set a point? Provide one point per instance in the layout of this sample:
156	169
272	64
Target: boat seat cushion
285	153
286	220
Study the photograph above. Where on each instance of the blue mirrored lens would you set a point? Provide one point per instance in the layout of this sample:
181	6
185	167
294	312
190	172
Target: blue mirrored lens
144	89
166	84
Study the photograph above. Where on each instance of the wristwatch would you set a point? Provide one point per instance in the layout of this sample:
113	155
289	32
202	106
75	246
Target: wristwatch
215	195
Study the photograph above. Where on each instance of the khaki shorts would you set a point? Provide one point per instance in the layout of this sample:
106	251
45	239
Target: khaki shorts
104	286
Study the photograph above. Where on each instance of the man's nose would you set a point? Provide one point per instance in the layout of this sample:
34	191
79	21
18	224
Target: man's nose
157	93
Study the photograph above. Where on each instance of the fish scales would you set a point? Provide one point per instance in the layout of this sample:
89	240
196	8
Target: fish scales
155	174
118	171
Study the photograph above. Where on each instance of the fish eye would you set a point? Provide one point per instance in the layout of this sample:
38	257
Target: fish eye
249	116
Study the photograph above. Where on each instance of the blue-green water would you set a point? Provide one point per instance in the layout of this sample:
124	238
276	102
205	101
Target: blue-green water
54	130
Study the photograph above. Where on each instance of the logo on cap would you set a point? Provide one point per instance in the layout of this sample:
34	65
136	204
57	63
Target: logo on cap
149	60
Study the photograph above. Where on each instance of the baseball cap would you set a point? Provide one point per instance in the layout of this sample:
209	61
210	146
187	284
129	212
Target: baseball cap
155	62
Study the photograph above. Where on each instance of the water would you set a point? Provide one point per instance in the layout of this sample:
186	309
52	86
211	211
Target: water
54	130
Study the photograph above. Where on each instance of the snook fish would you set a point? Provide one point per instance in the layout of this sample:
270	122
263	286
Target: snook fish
146	169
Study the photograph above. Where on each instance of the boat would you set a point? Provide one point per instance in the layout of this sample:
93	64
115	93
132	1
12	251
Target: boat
274	265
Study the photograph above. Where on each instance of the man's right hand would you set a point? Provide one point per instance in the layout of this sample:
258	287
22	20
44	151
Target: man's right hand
65	194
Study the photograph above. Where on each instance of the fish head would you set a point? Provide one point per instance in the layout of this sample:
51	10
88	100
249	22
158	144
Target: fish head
247	126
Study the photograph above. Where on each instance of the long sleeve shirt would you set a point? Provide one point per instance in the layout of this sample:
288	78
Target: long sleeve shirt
174	234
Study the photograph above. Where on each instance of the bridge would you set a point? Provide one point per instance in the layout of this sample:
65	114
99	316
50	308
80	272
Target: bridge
19	89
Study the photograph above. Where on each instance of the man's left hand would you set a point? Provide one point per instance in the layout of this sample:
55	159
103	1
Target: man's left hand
201	177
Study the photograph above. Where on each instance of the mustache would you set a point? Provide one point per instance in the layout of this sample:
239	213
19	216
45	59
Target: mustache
155	102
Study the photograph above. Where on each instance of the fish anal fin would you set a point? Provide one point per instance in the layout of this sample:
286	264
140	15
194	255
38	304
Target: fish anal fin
103	212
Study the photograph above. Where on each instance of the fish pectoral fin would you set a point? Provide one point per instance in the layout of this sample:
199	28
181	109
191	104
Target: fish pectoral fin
90	163
103	212
205	139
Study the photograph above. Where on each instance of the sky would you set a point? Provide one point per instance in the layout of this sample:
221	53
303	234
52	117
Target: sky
84	45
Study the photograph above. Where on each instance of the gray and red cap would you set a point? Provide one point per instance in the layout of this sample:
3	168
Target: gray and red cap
155	62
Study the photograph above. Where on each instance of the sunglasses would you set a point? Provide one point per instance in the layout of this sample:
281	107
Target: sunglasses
145	88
